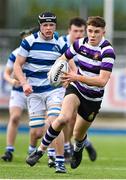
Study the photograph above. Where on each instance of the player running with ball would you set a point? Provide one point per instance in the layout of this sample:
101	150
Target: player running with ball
85	93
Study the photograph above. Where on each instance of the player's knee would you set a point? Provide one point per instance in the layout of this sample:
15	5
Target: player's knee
36	133
39	135
63	120
14	119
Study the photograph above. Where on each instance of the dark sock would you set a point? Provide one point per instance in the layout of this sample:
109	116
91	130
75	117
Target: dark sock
50	135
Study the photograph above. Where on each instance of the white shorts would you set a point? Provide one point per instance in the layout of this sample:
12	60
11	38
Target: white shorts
17	99
42	104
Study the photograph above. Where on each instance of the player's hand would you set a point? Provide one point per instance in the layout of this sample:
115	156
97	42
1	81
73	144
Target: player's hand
65	84
27	89
71	76
15	82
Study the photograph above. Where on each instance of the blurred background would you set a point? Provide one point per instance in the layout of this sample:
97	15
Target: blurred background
17	15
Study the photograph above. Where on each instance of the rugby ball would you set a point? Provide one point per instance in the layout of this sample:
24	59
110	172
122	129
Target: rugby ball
56	71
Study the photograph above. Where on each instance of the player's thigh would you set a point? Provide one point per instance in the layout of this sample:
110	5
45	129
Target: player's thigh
70	106
37	110
17	99
15	112
54	102
37	132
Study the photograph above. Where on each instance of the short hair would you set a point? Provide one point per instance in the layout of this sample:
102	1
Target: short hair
77	21
25	32
96	21
29	31
34	29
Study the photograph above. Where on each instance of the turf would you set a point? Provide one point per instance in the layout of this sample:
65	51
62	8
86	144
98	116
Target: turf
110	164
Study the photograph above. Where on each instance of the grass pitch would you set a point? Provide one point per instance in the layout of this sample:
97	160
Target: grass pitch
110	164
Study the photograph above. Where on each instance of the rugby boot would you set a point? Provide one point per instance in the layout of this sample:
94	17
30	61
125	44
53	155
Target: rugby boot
8	156
33	158
76	158
51	162
91	152
60	167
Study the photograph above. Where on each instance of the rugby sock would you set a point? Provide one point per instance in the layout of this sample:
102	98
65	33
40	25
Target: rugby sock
31	149
87	142
59	159
10	148
67	147
51	152
50	135
80	144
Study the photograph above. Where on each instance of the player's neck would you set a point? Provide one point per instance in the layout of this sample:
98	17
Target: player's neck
71	40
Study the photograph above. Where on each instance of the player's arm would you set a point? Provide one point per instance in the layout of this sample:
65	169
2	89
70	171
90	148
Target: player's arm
63	57
100	80
20	61
18	72
72	65
8	77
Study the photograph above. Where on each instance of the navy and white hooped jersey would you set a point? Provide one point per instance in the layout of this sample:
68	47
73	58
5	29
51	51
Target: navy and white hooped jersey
91	59
41	55
66	38
10	65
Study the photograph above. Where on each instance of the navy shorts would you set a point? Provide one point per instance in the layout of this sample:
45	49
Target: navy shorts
87	109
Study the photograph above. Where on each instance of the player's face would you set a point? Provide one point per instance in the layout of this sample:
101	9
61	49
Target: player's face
95	35
47	29
76	32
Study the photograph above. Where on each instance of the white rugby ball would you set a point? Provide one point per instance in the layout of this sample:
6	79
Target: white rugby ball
56	71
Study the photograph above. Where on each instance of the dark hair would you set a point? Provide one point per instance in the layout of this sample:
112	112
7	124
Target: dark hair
34	29
29	31
96	21
77	21
47	17
25	32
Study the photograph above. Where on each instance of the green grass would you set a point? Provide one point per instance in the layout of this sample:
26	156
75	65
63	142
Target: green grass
111	162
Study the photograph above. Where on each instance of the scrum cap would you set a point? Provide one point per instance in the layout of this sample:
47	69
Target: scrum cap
47	17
